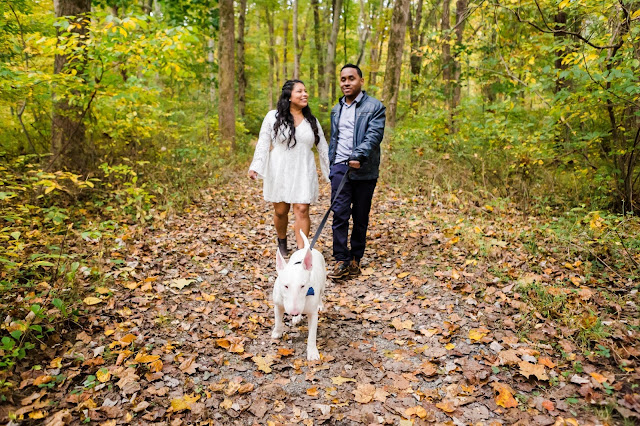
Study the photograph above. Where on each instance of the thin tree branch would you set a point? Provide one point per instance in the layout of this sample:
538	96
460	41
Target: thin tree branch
555	31
24	129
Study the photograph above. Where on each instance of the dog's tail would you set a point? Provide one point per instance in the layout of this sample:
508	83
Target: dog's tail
304	239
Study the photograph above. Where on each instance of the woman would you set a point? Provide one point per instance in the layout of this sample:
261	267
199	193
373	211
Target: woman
283	158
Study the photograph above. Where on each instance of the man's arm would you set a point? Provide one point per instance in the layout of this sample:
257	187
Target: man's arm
373	137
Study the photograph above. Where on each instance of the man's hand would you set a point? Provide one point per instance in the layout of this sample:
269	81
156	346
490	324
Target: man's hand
354	164
253	175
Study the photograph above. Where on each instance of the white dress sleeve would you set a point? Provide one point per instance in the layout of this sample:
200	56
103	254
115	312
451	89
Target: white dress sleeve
263	147
323	153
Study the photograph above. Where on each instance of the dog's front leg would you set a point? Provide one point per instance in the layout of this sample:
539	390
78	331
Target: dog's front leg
278	329
312	350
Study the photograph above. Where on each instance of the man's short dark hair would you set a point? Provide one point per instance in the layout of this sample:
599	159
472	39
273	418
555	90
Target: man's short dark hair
357	68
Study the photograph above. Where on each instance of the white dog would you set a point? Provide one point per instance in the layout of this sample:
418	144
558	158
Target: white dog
298	290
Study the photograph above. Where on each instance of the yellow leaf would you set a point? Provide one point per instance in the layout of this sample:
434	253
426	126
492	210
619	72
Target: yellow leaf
208	297
141	358
103	375
184	403
476	334
488	208
91	301
38	414
450	346
56	363
563	4
505	395
226	404
102	290
312	391
402	275
340	380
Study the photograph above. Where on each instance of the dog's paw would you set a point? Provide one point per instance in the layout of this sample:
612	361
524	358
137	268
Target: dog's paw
276	334
296	319
320	307
313	354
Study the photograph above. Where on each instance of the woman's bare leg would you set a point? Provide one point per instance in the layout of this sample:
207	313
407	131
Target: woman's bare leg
302	221
281	218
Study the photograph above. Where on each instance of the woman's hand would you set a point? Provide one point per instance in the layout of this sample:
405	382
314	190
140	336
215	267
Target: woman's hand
253	175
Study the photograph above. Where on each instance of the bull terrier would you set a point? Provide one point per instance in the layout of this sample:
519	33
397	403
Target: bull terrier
298	290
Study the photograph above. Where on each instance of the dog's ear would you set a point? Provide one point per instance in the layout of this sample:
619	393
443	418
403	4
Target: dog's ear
304	239
280	262
307	263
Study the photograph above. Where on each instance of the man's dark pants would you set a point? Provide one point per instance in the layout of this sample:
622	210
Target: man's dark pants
353	202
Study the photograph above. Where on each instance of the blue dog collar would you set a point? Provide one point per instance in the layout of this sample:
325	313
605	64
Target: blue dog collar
310	292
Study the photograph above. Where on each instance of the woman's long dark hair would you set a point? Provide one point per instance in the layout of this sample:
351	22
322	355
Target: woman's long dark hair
284	119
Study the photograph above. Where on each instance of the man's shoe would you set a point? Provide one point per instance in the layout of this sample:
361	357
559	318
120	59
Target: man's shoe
354	268
340	271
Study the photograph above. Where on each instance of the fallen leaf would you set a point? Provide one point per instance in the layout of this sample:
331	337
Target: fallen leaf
403	275
380	395
598	377
449	346
546	362
527	369
477	334
41	380
285	351
445	406
312	391
263	362
180	283
402	325
548	405
103	375
144	359
184	403
505	395
91	301
226	404
340	380
364	393
246	388
208	297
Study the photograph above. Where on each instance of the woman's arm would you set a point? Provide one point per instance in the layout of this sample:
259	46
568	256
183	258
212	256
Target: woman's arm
323	153
261	154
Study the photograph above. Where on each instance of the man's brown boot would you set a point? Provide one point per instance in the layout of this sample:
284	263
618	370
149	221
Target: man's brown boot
340	271
354	268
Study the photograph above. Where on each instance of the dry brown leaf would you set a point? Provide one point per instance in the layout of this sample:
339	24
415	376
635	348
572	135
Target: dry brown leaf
263	362
527	369
340	380
402	325
446	406
364	393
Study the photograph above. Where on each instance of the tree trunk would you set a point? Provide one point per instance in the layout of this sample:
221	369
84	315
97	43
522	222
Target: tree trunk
461	11
317	40
446	51
68	142
242	78
330	70
296	58
364	31
415	61
394	59
285	42
273	59
226	107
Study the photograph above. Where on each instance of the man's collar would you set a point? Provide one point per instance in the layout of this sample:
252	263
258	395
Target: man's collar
356	100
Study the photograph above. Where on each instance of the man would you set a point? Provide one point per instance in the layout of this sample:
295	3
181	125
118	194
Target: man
357	127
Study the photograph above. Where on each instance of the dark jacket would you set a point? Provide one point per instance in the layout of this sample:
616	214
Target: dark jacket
367	136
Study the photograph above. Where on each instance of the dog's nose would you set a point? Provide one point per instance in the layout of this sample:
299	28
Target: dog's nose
294	313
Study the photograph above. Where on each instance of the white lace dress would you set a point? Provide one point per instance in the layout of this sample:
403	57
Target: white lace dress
289	174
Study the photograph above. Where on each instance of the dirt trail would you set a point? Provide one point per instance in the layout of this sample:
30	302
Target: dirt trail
186	338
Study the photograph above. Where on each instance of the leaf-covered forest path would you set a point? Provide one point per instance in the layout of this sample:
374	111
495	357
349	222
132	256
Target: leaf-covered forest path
426	335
